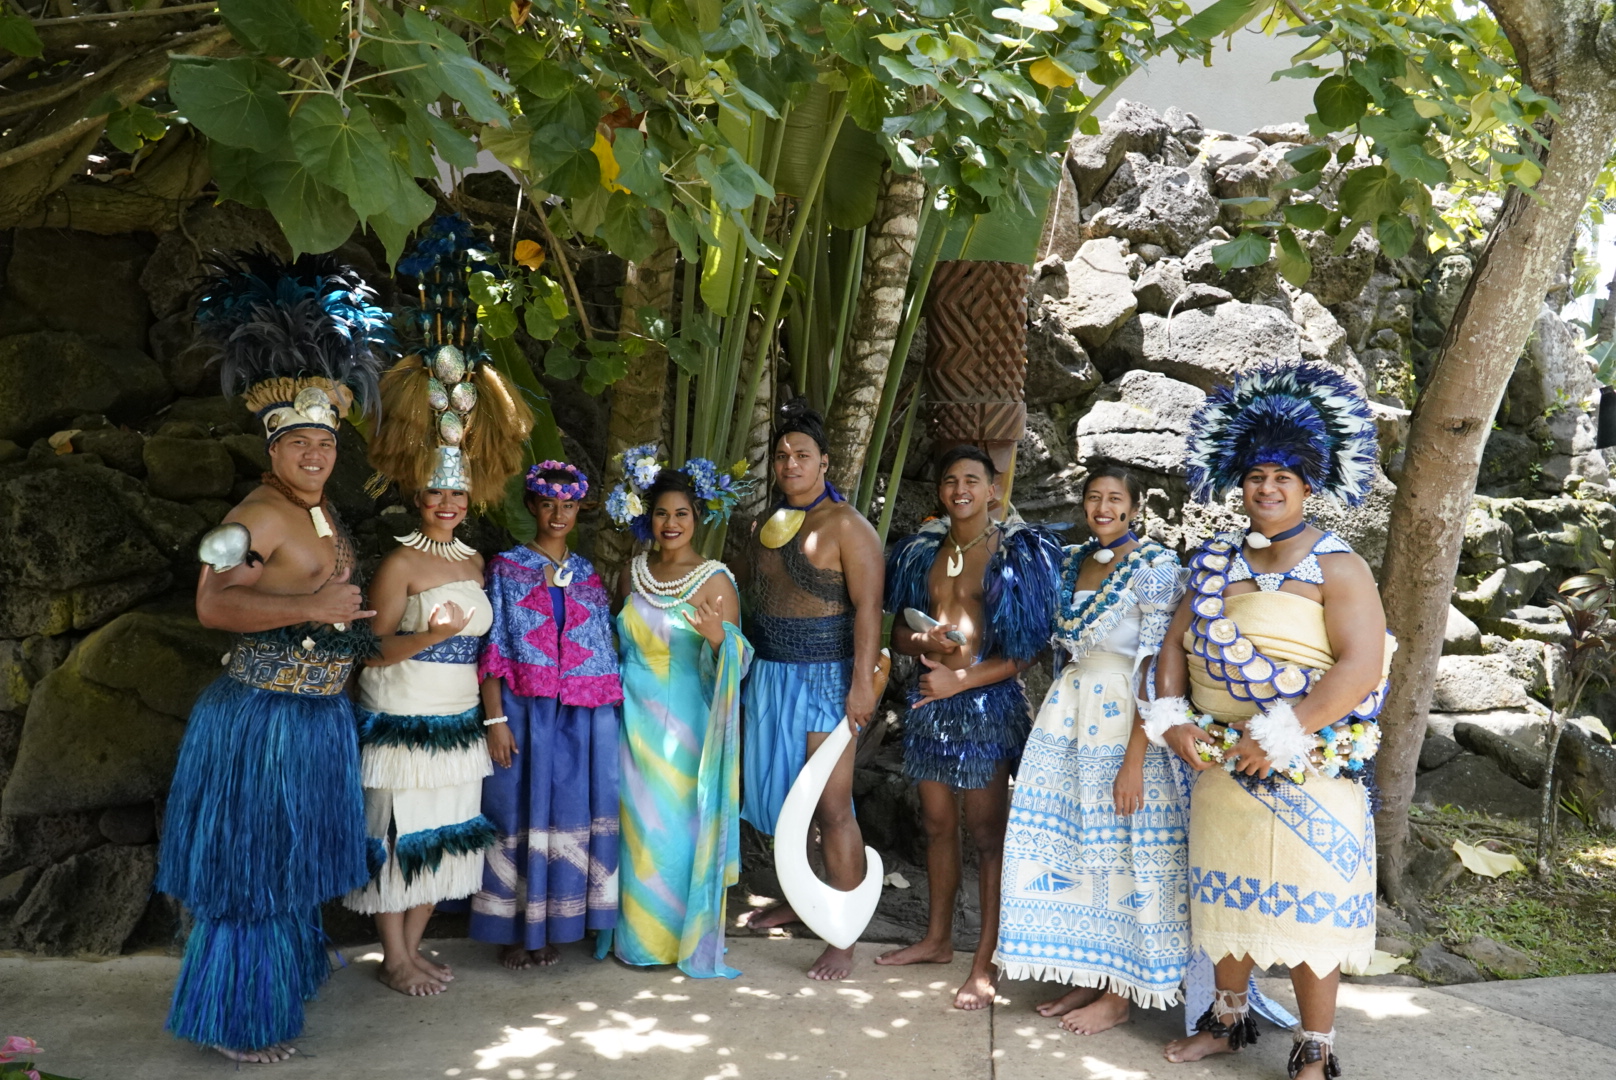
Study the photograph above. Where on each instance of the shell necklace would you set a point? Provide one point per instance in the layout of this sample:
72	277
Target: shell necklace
316	511
956	561
1257	540
669	594
1105	554
454	551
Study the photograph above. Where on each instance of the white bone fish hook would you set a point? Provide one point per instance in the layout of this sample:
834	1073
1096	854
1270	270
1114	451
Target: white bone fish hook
838	917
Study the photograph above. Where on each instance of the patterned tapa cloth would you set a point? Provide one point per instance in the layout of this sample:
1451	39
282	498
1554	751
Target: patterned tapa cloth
1281	872
422	759
265	822
552	875
681	787
1092	897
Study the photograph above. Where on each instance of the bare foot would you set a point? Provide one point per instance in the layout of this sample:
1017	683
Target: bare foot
977	993
440	972
767	918
1195	1047
268	1055
548	956
515	957
1108	1012
406	978
1075	998
923	951
832	964
1315	1071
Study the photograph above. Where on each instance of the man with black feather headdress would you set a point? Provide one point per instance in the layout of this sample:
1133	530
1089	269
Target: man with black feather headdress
265	819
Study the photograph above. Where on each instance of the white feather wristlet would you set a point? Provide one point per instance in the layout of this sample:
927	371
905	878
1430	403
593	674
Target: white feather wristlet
1283	738
1161	714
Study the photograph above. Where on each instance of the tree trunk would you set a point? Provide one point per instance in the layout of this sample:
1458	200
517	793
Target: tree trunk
888	253
638	397
1606	331
1455	411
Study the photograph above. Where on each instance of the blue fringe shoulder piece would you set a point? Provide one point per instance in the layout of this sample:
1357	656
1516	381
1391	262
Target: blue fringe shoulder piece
909	565
1020	587
1023	587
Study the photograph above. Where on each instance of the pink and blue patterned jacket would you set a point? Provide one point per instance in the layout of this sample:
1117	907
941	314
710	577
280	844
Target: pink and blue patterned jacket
521	646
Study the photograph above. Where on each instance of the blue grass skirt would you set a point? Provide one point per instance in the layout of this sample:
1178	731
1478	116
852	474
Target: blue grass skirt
784	703
265	822
960	740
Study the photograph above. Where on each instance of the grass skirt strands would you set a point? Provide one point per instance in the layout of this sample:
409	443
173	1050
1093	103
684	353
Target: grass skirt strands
265	821
960	740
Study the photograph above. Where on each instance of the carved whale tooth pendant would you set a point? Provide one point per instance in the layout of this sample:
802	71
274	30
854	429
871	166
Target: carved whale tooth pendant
956	562
322	527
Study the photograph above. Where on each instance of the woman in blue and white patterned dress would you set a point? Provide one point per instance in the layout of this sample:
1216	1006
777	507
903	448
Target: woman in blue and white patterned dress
1096	857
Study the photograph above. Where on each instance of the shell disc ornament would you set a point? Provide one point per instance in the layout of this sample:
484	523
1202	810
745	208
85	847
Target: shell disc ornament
448	363
781	526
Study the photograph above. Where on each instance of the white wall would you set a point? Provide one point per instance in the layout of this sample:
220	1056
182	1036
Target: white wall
1235	93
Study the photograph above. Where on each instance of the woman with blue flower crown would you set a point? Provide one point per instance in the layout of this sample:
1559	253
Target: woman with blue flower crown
683	658
1095	859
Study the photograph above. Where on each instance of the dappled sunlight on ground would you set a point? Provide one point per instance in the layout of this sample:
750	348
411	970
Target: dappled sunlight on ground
584	1020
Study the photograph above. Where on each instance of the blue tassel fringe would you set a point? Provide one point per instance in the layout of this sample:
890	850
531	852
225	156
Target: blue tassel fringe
242	984
424	851
456	732
960	740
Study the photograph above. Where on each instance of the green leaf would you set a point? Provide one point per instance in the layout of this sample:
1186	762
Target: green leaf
233	101
561	364
274	27
1300	71
627	229
449	65
529	68
866	100
730	184
497	320
973	105
324	16
539	323
1308	158
1340	101
17	36
347	153
853	178
1220	18
904	71
1370	192
1294	264
672	23
1416	163
121	131
842	31
486	289
314	216
683	231
449	141
1395	233
393	230
1306	215
639	167
577	176
1247	249
1300	182
512	145
235	171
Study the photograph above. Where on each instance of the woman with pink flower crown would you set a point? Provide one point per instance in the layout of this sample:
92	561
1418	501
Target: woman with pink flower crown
551	693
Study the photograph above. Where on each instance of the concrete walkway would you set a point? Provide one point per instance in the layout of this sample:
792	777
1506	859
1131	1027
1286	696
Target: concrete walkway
602	1021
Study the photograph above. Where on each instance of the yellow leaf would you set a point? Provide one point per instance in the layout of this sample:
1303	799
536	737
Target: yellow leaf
608	164
1383	963
519	12
1487	863
530	253
1427	108
1096	7
1047	71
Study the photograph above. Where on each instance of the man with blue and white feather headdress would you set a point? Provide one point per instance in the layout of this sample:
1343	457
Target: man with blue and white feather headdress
1274	669
265	818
